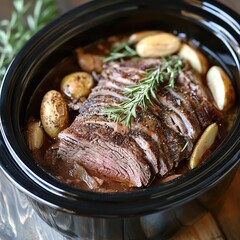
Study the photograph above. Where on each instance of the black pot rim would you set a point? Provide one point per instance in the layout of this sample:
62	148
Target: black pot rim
41	187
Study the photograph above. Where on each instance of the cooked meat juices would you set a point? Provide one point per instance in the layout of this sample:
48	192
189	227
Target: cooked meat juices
129	112
110	151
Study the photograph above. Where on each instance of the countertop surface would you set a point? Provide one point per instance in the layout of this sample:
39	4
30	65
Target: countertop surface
223	222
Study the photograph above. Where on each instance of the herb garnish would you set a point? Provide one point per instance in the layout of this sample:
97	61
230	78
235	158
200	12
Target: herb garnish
185	146
26	19
140	95
120	51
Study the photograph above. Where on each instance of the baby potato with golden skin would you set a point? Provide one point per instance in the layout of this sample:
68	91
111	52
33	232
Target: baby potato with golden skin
77	85
53	113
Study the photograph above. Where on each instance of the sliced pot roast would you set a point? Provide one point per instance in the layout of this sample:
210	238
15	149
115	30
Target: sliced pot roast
157	141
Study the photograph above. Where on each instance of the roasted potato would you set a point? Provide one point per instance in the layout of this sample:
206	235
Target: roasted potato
77	85
53	113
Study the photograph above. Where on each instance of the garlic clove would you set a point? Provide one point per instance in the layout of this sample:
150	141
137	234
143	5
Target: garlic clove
204	143
221	88
158	45
196	59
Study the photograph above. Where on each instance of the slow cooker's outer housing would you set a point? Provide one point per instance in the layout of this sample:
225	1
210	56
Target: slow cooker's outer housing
152	213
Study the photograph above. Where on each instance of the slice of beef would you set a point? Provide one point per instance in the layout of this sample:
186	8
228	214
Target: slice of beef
153	145
102	151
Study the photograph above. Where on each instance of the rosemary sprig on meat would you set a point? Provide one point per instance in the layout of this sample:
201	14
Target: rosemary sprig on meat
184	147
141	94
120	51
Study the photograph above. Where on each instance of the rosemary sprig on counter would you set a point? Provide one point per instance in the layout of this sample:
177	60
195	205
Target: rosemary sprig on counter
120	51
140	95
26	19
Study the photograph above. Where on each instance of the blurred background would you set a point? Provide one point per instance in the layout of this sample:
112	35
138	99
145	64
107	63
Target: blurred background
65	5
26	17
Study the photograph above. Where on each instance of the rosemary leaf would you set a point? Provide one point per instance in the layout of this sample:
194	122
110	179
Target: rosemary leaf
120	51
141	94
185	146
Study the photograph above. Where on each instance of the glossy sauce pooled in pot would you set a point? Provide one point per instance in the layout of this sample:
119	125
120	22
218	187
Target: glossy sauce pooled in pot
129	112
